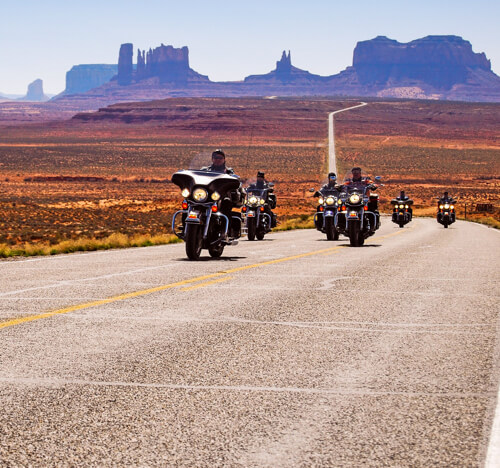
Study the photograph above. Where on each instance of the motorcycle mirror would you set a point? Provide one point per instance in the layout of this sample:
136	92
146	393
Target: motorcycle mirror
378	178
271	184
311	190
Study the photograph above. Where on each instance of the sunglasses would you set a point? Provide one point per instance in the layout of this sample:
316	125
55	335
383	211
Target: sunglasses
218	157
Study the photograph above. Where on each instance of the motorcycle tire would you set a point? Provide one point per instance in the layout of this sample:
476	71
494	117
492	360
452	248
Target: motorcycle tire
445	226
354	234
260	235
251	229
336	235
401	225
216	250
330	229
193	241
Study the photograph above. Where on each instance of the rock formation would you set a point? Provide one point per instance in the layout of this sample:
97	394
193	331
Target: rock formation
439	61
285	73
166	63
81	78
35	92
125	67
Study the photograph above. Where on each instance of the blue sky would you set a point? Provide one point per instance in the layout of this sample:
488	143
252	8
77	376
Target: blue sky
227	40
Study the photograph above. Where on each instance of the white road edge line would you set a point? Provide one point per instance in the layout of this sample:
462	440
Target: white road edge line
332	161
493	453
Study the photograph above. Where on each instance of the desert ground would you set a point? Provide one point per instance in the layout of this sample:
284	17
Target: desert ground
108	171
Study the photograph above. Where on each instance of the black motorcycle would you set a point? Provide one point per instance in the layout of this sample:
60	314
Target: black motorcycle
446	211
324	219
357	215
402	212
204	225
257	214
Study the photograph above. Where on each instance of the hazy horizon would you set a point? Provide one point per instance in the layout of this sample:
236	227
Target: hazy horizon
227	41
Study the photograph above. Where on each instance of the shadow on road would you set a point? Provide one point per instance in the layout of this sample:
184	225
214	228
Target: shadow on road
211	259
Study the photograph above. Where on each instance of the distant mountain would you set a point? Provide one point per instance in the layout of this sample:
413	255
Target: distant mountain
81	78
10	96
434	67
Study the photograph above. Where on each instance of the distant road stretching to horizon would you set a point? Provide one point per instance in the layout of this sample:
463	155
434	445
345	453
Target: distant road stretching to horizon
332	158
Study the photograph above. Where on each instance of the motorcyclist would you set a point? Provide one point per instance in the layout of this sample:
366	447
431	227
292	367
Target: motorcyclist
218	163
262	184
330	186
358	181
445	198
403	198
231	199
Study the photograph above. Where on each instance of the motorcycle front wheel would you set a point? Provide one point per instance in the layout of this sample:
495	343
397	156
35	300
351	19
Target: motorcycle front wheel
331	232
193	241
355	235
252	228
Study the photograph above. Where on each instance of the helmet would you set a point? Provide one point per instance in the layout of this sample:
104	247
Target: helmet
219	151
260	174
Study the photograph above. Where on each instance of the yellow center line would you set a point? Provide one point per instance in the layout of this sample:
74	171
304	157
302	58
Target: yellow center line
213	278
207	283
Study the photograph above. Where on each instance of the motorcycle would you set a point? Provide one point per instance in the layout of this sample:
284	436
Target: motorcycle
204	225
402	212
324	218
446	211
357	215
256	212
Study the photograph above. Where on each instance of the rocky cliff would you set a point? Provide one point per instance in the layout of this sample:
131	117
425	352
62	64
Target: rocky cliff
438	61
81	78
434	67
35	92
165	63
285	74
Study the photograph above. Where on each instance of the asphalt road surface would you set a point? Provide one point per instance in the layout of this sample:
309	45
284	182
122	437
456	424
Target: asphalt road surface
288	352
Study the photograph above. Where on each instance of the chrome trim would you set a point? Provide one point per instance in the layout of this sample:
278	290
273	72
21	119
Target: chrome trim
180	235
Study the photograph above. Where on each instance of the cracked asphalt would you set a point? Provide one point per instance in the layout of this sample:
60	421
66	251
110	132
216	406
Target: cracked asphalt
288	352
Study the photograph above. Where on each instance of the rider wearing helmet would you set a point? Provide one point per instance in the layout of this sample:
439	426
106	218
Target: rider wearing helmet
262	184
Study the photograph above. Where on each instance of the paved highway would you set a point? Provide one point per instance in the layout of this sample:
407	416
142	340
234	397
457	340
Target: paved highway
332	158
289	352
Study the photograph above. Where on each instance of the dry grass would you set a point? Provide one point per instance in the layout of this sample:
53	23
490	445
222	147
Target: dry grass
85	244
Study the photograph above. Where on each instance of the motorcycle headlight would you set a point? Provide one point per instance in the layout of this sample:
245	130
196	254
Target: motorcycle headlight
441	207
401	206
452	207
330	201
339	202
262	201
200	195
446	205
354	198
252	200
321	200
215	196
185	193
406	206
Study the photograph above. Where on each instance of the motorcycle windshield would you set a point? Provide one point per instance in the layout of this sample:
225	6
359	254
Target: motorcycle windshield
214	181
201	173
261	193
